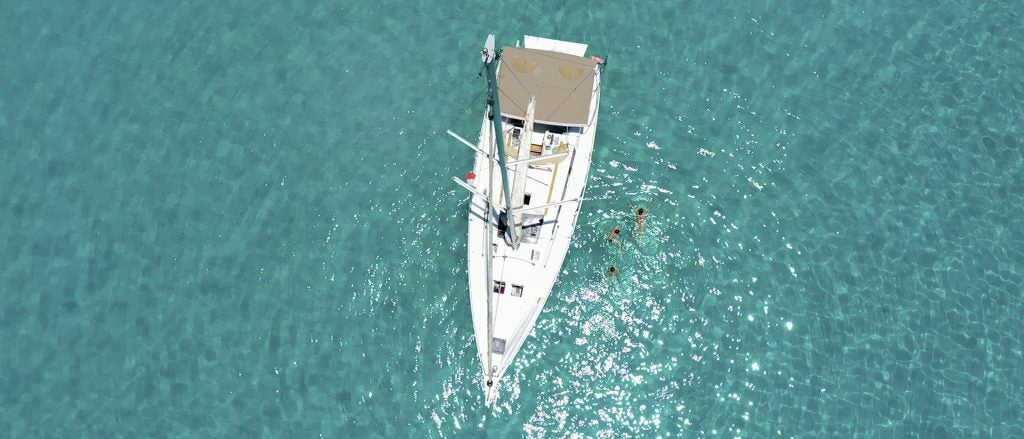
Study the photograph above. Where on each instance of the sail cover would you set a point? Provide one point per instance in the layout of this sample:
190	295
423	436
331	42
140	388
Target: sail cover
563	85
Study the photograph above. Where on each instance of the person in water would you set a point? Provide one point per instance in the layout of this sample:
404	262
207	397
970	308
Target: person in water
641	216
613	236
613	272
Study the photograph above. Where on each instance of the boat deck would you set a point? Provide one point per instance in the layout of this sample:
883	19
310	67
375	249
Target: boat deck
523	277
549	99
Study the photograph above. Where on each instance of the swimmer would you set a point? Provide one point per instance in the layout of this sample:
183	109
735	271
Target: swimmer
613	272
613	236
641	216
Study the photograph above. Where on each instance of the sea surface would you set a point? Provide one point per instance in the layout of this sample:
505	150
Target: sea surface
235	219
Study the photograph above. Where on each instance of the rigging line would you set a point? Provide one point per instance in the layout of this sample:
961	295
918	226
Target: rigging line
509	97
512	101
573	91
467	109
516	77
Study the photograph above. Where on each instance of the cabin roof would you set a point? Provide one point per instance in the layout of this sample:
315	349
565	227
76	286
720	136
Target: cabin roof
563	85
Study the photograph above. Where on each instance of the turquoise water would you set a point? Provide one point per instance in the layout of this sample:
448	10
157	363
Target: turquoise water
234	219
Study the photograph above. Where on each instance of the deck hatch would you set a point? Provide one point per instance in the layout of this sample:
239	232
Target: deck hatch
498	345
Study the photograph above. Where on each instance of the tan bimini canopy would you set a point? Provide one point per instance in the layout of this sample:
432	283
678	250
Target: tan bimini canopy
563	85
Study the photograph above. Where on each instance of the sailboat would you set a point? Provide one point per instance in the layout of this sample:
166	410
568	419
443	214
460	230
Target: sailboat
532	161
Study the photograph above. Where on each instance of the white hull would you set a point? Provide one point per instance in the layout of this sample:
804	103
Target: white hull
530	271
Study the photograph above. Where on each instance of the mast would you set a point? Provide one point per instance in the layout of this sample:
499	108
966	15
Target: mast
490	56
489	265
